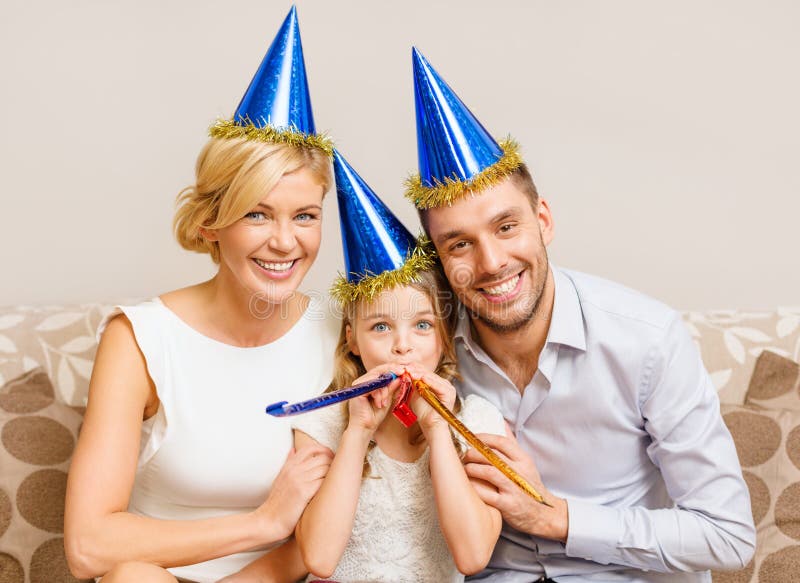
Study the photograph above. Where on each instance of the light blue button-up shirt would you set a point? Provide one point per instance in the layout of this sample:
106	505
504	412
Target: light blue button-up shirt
623	422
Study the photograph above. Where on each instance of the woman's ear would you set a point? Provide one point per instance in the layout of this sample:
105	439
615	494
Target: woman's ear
209	234
351	344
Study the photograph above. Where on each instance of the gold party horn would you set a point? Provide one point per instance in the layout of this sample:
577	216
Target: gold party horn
430	397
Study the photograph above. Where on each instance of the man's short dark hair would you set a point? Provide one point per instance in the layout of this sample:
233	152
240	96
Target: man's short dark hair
522	179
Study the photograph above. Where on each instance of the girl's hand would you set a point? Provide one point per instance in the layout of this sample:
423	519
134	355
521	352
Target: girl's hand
427	417
368	411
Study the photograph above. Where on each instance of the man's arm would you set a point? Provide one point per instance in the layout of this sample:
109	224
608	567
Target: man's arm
710	526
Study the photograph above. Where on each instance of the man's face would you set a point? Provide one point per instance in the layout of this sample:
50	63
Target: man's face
492	247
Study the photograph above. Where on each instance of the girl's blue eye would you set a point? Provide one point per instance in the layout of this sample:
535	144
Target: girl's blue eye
304	217
380	327
424	325
255	216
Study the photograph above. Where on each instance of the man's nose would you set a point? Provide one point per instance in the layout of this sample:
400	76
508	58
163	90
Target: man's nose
492	258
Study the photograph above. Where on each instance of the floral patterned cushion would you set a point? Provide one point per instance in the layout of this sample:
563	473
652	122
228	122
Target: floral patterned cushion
766	431
59	339
775	383
768	444
731	341
37	438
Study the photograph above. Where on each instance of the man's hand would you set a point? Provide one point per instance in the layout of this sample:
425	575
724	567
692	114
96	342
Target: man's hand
518	509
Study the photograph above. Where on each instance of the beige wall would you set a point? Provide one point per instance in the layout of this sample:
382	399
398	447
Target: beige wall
666	135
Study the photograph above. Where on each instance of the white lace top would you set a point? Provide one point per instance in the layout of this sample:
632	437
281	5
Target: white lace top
396	535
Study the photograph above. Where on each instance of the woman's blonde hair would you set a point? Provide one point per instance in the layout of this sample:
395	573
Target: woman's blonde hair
232	176
348	366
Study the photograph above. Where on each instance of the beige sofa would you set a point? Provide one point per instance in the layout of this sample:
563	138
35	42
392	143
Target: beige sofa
46	358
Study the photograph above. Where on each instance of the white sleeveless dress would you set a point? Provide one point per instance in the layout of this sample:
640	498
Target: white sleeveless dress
396	536
211	450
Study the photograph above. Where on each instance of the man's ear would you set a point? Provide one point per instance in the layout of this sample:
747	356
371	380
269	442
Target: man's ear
545	218
209	234
348	334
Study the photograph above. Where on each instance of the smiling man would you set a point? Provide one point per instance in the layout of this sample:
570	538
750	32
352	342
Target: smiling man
614	418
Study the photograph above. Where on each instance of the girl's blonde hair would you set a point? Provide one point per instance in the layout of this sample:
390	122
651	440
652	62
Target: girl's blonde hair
348	367
232	176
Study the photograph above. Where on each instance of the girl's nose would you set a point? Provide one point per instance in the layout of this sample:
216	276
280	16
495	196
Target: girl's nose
401	345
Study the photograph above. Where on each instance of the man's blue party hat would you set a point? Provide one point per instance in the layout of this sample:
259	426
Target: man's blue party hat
456	154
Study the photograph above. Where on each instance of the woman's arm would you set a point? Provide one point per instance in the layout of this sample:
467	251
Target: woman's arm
99	532
470	526
324	529
280	565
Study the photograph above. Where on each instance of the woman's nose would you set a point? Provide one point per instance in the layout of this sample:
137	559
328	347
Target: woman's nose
282	238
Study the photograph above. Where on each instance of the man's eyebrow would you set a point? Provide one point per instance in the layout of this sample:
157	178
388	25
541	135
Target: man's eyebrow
445	237
506	214
499	217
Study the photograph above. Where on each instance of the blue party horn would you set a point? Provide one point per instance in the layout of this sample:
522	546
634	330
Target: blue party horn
283	409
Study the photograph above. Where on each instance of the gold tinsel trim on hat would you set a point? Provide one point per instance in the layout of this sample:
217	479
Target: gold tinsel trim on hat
228	128
447	192
422	257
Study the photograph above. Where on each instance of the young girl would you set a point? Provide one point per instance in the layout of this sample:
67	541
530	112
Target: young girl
396	504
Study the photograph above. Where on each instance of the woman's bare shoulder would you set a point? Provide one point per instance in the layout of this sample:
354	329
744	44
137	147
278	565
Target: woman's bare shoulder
186	297
188	303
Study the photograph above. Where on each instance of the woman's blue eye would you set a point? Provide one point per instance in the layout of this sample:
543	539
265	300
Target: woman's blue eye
424	325
304	217
380	327
255	216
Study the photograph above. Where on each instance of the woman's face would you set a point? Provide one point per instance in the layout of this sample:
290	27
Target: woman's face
270	249
399	325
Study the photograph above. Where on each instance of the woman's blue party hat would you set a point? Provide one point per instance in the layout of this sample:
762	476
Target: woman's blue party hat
276	106
379	252
456	154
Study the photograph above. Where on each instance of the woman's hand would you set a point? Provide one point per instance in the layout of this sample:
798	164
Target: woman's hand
427	417
297	482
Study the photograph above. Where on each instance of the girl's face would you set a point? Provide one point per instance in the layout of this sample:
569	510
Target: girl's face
399	325
271	248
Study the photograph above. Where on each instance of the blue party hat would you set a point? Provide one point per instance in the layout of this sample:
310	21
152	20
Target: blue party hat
379	252
276	106
456	153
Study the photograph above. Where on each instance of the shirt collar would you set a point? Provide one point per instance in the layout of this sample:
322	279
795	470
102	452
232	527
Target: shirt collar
566	324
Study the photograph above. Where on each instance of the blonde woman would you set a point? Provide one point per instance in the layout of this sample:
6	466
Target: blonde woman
178	473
